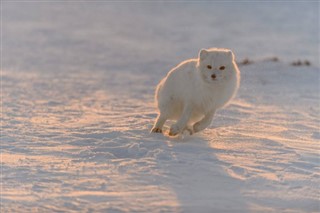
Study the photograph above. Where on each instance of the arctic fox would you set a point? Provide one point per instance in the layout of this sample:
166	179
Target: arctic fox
193	91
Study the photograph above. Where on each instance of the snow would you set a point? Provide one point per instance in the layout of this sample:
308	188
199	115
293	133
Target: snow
77	106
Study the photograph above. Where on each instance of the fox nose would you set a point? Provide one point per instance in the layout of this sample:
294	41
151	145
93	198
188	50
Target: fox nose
213	76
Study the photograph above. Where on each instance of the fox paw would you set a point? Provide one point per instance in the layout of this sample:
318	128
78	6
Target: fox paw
197	127
156	130
189	130
174	130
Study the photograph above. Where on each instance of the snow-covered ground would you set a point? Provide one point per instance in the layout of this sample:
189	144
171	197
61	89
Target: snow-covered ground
77	106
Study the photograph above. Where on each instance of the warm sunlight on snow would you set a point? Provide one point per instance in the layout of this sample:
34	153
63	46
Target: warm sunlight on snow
78	81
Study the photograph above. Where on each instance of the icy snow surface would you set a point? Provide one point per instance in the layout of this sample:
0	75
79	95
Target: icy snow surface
77	105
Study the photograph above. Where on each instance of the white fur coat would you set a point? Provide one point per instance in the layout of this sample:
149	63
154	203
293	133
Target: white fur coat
195	89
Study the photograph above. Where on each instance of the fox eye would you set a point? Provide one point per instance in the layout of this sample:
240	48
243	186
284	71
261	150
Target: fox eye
209	67
222	68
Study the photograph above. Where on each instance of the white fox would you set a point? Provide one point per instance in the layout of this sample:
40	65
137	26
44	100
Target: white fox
193	91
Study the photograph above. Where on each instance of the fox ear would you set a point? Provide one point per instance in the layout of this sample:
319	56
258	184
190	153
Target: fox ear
230	54
203	54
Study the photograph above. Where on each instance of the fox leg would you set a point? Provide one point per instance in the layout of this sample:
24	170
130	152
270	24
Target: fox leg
204	123
181	124
161	119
